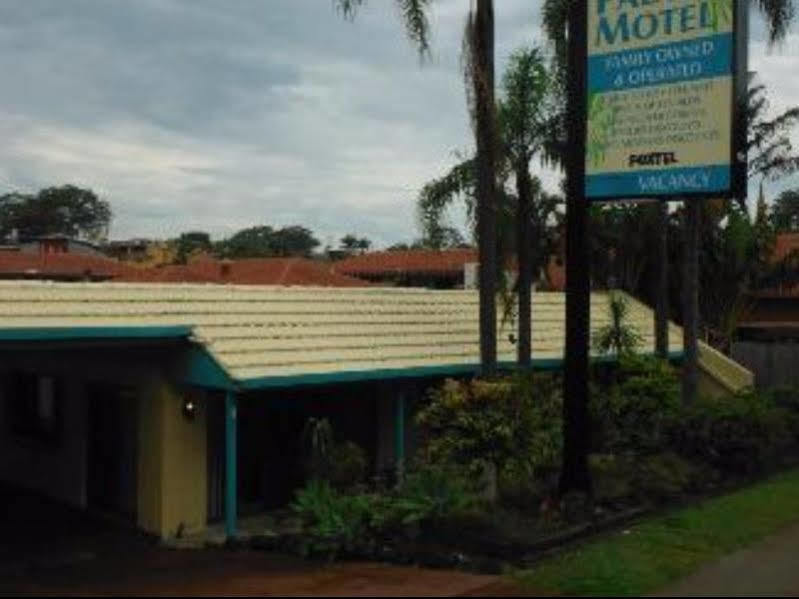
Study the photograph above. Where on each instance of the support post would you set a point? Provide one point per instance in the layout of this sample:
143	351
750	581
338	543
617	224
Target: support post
575	475
690	376
662	282
399	436
231	443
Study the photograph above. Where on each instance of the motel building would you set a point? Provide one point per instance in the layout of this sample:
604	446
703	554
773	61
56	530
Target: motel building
178	407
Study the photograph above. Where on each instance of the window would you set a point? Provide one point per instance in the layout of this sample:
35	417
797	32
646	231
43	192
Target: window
34	404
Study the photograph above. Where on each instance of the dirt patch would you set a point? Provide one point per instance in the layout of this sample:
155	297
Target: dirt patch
212	573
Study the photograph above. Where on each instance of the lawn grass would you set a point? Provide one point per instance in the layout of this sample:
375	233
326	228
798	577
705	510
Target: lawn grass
649	555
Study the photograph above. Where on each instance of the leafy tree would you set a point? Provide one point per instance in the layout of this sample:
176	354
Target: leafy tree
252	242
65	210
524	214
769	148
349	242
193	242
785	213
293	241
263	242
523	113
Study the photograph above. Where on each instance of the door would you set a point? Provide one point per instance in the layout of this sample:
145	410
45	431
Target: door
112	447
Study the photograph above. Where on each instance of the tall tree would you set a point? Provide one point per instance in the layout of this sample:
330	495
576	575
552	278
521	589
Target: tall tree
66	210
785	213
522	117
770	153
293	240
252	242
479	70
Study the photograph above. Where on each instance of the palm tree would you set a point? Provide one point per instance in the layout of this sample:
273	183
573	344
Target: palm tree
479	70
522	114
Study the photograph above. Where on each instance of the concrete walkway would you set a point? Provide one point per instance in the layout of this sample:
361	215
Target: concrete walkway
769	568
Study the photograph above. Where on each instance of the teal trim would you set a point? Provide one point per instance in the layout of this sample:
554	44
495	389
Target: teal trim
399	434
332	378
352	376
231	445
75	333
198	367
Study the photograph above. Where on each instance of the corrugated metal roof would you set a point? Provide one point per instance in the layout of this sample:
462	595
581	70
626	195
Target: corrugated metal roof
257	333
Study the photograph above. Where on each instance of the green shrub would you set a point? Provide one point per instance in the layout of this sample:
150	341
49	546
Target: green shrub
332	521
469	423
335	522
612	477
637	414
428	495
656	477
514	423
739	434
665	476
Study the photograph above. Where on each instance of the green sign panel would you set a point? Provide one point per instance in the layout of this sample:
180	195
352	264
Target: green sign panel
664	84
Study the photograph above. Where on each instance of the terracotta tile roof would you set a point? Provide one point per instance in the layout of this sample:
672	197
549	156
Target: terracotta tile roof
557	274
444	262
784	245
253	271
15	264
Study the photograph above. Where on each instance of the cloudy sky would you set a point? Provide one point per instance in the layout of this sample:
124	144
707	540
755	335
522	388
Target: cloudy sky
221	114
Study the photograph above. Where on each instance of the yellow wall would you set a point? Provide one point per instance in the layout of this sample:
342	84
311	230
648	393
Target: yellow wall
172	463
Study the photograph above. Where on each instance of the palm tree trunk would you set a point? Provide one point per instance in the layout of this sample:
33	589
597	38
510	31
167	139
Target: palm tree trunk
524	190
485	133
690	377
662	281
575	476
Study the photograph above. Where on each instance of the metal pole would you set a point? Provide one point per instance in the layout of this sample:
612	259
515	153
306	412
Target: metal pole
231	499
574	474
690	380
662	282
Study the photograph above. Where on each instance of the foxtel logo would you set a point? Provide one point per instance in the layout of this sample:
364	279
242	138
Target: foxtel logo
653	159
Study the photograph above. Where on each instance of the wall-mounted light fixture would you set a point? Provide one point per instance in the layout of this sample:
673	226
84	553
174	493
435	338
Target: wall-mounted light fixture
189	408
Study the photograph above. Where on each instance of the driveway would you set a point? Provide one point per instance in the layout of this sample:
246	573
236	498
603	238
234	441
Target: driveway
49	549
222	573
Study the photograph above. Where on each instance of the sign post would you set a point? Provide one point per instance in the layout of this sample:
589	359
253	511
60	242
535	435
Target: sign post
665	105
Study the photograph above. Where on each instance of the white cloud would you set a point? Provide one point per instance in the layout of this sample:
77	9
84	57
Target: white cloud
219	115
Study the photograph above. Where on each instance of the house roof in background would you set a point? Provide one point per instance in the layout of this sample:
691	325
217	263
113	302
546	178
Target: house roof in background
784	245
250	271
18	264
431	262
277	336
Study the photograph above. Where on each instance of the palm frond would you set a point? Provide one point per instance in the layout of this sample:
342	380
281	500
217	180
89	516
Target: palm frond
412	12
417	25
437	195
348	8
778	14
